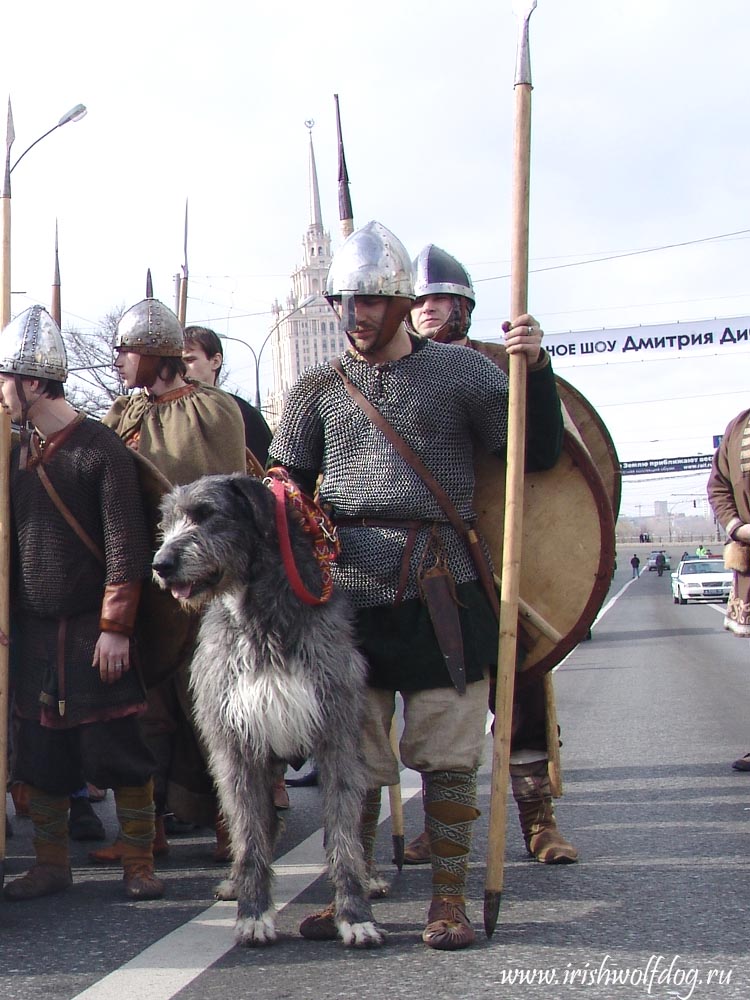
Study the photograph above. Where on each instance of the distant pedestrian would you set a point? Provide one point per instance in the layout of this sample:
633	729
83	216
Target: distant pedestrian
661	562
635	562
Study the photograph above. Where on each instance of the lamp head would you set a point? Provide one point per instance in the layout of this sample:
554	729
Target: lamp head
74	115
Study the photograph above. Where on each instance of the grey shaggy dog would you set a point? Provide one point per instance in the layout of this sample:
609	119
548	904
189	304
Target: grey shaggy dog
272	679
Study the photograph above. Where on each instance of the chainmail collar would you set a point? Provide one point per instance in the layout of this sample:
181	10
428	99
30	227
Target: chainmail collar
352	357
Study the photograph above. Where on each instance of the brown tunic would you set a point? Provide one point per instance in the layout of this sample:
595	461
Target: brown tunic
729	496
189	433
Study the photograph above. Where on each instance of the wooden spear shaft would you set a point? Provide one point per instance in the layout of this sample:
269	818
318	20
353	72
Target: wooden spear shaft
182	293
513	523
4	623
5	227
5	261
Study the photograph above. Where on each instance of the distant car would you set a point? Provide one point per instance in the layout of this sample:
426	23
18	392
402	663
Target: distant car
652	560
701	580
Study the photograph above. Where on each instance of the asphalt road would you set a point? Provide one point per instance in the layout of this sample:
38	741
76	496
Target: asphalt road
653	710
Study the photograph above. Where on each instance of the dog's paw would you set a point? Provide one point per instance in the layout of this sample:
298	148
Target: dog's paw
364	935
256	933
226	889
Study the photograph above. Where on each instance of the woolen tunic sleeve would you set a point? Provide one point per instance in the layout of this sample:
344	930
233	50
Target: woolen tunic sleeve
728	484
544	435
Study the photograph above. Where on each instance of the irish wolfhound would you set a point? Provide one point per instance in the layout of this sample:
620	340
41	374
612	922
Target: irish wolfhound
273	679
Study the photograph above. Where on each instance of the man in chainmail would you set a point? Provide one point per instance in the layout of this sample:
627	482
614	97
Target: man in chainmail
82	552
442	312
187	430
397	542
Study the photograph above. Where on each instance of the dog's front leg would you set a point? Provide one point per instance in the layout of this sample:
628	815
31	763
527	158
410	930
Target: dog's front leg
247	803
342	784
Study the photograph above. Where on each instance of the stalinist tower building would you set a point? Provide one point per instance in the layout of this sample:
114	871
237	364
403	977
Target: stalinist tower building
308	330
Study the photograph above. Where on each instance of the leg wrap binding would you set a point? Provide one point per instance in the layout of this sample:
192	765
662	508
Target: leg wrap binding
49	814
135	811
450	810
369	825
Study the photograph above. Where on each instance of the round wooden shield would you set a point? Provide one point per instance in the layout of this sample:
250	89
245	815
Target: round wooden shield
567	554
595	437
582	420
165	631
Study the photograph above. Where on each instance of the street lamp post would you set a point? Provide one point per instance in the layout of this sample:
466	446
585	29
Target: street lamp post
75	114
256	357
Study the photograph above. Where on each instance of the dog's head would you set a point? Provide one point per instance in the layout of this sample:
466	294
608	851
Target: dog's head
213	531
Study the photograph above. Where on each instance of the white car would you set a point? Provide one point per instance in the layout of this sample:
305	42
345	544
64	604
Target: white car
701	580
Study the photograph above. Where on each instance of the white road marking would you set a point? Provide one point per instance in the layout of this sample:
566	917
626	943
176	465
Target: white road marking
170	964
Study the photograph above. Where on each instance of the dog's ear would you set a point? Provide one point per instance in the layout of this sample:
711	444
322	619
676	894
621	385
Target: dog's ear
256	499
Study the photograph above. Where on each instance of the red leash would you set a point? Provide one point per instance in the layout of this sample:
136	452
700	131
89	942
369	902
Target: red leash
315	523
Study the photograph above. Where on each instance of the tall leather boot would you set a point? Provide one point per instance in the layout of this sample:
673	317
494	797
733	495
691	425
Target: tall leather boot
51	871
450	810
135	811
531	790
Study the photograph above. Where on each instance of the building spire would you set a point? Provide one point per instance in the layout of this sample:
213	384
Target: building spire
316	219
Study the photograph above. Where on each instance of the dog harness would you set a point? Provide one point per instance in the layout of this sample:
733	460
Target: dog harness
315	523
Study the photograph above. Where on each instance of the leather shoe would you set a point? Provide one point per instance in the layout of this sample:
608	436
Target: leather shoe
418	852
39	880
320	926
448	927
141	883
743	764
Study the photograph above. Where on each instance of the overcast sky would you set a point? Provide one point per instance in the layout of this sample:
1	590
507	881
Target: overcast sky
640	141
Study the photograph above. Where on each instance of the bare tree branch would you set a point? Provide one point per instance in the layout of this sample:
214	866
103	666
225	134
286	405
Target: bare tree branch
92	383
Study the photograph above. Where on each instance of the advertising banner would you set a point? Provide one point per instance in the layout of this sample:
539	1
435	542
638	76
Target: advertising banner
645	343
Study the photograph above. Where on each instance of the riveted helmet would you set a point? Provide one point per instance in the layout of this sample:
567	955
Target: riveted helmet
438	273
32	345
151	328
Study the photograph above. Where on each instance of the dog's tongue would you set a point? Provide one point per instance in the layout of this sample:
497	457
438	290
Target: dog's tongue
181	591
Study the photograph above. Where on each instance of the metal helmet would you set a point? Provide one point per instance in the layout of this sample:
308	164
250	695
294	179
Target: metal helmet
438	273
372	261
32	345
150	327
